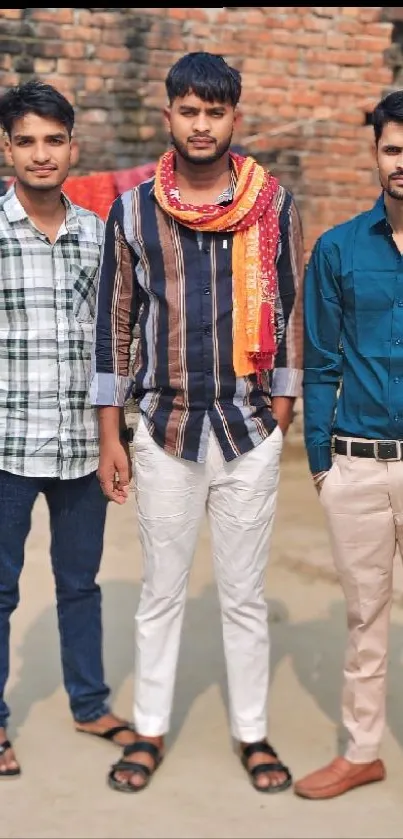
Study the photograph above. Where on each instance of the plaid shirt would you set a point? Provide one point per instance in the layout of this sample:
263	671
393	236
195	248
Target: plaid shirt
47	305
177	283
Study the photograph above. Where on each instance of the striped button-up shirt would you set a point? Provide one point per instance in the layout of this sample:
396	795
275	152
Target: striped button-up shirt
48	427
177	284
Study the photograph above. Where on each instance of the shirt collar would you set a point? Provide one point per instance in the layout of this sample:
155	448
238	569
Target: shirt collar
225	197
15	212
377	216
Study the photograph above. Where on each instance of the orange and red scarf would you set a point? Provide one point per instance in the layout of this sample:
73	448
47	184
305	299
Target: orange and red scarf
252	217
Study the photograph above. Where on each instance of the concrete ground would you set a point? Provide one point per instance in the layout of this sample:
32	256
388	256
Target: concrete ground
201	790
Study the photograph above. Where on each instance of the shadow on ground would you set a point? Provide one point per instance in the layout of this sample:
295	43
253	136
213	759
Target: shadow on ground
315	649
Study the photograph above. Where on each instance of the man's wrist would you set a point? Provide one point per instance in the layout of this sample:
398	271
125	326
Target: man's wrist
318	477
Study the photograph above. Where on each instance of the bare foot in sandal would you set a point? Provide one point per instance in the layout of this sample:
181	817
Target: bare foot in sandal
267	773
110	728
9	767
139	762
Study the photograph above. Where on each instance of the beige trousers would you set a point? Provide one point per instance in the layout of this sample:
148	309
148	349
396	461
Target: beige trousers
363	503
240	499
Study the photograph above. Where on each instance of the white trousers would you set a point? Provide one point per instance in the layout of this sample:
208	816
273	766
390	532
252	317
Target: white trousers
240	497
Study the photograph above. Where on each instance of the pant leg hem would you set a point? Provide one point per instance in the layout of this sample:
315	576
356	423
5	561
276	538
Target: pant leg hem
247	734
93	717
150	726
355	755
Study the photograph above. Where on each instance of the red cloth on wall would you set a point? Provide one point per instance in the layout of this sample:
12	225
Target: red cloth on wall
94	192
128	178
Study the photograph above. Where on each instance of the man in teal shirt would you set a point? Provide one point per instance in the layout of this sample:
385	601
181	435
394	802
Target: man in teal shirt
353	418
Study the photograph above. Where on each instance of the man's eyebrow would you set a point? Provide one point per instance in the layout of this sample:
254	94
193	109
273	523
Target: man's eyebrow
59	135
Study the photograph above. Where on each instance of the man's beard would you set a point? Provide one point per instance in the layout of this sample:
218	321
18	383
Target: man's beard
394	193
219	151
389	189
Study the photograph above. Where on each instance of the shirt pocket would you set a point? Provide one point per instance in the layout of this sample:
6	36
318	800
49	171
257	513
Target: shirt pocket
374	300
85	282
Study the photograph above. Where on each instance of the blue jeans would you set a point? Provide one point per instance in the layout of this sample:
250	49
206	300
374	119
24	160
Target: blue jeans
77	511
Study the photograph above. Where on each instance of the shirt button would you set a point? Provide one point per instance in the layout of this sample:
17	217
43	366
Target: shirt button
396	380
398	341
206	291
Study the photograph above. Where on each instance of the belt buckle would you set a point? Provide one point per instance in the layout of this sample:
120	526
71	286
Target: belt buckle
391	445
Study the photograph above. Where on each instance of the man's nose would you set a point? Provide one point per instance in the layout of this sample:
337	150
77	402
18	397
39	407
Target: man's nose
40	153
201	123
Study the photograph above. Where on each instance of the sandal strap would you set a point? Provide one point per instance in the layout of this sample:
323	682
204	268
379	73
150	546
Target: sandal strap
259	747
4	746
117	729
262	768
133	768
142	746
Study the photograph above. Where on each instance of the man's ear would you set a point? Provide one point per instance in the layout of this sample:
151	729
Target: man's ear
167	118
238	117
6	149
74	153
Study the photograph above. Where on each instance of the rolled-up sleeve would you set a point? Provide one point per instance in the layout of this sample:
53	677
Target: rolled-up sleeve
288	369
116	315
322	356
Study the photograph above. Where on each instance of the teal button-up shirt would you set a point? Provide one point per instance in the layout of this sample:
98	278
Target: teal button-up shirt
353	336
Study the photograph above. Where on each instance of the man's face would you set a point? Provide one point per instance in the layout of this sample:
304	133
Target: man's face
39	149
200	131
389	156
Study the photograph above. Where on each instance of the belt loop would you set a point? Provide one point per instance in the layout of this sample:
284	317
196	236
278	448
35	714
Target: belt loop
348	448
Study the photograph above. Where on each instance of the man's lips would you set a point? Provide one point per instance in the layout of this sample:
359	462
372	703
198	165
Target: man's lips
201	141
44	170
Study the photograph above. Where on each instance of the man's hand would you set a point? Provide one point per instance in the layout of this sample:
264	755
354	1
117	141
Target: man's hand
318	479
115	471
282	408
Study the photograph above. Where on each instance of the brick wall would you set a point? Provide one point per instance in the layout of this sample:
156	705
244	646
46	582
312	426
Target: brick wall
310	75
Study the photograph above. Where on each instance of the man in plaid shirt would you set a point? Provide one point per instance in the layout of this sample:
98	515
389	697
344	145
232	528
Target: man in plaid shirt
49	257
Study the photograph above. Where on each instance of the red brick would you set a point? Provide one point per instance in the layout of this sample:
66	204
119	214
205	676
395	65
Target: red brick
87	34
94	84
11	14
9	80
112	54
43	66
351	11
53	15
371	44
72	50
369	14
178	14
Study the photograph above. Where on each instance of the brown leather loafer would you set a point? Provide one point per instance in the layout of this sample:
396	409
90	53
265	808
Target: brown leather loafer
338	777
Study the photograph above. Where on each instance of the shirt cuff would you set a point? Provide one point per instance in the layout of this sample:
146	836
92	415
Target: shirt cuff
320	458
287	382
108	389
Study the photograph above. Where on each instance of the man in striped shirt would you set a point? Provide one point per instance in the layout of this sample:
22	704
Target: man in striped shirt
207	258
49	261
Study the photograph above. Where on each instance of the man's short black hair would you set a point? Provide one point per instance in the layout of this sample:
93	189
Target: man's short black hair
206	75
35	97
389	109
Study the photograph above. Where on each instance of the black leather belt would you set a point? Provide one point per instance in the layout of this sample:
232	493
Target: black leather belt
379	449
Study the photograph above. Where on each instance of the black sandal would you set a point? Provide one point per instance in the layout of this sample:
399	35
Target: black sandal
135	768
110	734
262	768
8	773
